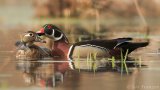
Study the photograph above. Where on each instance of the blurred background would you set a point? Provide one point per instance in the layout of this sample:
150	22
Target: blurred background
83	20
80	18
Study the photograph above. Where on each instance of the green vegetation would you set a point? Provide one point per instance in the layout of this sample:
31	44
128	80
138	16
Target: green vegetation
94	66
112	61
92	59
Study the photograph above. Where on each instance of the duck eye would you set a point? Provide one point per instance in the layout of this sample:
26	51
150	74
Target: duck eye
31	34
49	31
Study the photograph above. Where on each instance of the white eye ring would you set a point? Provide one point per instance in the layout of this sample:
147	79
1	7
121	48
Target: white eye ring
28	34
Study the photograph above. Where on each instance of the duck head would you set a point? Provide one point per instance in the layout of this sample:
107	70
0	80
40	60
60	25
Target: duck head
53	32
60	45
30	37
26	49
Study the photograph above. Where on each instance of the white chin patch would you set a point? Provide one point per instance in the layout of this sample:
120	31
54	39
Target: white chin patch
58	38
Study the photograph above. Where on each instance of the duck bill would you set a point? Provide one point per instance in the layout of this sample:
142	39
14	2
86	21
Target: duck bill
41	32
38	39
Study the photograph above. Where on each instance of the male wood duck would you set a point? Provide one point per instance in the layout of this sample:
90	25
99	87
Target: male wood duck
102	48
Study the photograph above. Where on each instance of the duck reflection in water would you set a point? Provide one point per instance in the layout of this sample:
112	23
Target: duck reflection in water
28	56
38	73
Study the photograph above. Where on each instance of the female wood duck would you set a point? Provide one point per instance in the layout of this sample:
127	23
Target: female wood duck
28	50
103	48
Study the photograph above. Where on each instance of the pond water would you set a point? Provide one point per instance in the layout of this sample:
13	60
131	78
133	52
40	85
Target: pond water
141	78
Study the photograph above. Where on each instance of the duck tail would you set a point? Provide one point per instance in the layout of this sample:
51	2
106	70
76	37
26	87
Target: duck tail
131	46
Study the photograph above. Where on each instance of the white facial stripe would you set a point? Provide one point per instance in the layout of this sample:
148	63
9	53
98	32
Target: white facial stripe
45	26
56	38
52	32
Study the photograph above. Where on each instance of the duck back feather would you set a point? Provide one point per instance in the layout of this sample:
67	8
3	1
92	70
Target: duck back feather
131	46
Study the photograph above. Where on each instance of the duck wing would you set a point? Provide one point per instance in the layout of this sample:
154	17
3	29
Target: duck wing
131	46
107	44
122	40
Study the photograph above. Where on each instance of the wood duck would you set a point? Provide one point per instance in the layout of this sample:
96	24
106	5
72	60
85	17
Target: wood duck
103	48
28	50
